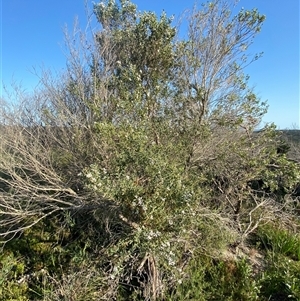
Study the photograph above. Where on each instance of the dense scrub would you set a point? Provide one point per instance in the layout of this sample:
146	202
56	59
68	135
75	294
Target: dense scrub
138	174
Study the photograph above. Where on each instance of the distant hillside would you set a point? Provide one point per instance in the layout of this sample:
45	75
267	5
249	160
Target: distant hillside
292	137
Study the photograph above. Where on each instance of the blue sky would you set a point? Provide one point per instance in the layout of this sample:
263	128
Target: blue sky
32	36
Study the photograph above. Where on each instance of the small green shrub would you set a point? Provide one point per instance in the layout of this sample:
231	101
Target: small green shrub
280	241
211	279
281	279
12	270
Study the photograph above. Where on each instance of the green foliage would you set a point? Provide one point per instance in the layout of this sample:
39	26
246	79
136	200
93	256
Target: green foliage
209	279
139	172
142	47
157	198
280	279
11	269
280	241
